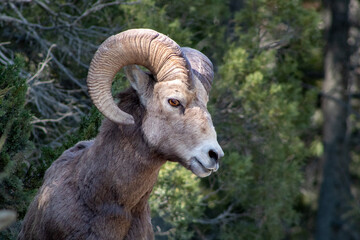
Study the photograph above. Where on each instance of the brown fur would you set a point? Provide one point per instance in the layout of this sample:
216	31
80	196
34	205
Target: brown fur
96	190
99	189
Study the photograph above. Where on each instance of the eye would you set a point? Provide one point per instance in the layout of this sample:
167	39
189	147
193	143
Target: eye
174	102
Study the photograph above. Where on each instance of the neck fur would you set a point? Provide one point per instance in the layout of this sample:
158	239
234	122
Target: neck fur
120	168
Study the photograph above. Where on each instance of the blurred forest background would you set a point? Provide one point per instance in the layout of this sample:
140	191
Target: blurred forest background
285	103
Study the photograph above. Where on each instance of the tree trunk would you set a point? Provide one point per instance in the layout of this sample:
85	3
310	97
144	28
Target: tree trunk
335	196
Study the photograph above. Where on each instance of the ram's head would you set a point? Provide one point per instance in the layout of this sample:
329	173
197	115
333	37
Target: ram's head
176	121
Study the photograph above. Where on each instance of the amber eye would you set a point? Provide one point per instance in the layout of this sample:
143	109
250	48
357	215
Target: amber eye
174	102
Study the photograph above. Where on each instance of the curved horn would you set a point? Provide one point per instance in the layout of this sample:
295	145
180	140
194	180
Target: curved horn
201	66
153	50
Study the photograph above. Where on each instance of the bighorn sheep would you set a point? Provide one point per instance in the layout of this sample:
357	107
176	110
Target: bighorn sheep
99	189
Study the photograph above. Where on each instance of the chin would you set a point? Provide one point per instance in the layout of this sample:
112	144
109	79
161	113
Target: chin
201	167
198	169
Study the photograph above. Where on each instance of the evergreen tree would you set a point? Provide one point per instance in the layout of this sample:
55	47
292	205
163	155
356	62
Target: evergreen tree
263	112
261	50
15	130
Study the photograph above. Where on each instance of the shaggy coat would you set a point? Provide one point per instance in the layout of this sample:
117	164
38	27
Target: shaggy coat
80	197
99	189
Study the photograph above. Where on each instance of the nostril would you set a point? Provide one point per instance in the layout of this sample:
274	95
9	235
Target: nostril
213	154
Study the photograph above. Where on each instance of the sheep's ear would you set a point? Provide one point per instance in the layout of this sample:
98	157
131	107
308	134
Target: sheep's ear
140	81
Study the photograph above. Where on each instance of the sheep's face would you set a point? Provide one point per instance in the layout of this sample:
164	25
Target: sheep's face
177	122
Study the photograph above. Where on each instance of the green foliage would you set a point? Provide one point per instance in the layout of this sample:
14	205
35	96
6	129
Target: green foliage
14	118
149	15
88	129
273	152
187	22
266	114
176	201
262	54
15	146
204	19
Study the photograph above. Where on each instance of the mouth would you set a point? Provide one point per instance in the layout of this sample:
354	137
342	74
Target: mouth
197	167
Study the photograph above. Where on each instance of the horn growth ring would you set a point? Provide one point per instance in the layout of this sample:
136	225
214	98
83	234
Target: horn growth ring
146	47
